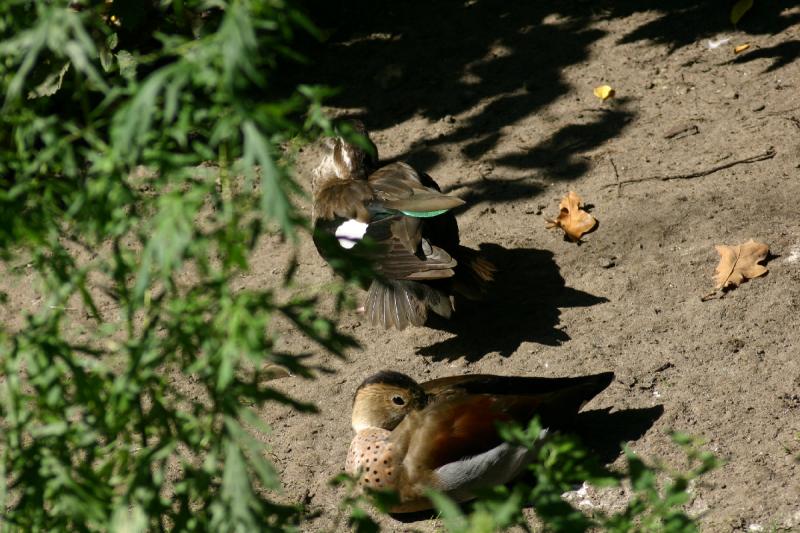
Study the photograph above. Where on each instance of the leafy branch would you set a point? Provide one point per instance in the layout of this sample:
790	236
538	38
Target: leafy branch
143	157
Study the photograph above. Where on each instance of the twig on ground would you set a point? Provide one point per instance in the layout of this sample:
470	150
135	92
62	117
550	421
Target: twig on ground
688	129
782	111
616	175
767	154
713	295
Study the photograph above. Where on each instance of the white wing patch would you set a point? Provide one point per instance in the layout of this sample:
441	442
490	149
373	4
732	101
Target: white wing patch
350	232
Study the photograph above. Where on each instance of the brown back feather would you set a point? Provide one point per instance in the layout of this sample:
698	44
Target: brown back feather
343	198
399	187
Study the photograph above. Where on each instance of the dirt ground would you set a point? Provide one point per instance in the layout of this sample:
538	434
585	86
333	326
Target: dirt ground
496	103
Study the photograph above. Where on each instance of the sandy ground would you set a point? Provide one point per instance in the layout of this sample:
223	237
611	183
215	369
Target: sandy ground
496	104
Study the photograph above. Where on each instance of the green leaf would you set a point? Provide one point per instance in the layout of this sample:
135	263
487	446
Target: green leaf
30	42
134	121
170	235
127	64
454	520
51	84
253	450
642	477
112	41
106	58
226	367
49	430
274	201
739	9
236	491
128	519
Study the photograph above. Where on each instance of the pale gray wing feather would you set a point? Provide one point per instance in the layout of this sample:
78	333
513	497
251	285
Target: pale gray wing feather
497	466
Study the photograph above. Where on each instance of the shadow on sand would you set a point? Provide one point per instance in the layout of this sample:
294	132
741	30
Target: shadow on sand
522	306
482	66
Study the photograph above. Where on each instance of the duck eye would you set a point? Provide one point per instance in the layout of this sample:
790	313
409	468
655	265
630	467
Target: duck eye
398	400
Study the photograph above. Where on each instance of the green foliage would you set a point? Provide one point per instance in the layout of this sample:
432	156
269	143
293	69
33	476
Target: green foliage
356	503
739	9
658	507
560	464
130	394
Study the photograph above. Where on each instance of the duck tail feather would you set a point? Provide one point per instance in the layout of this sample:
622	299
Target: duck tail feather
400	303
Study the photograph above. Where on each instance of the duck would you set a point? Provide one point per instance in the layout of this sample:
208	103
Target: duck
413	238
442	434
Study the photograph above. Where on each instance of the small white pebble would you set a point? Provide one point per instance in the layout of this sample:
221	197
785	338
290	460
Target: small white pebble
580	496
794	255
716	43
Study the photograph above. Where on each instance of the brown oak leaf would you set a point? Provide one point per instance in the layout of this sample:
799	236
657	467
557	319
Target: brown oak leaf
572	219
740	263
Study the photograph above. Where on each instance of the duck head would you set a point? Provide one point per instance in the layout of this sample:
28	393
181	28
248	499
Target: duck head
344	160
384	399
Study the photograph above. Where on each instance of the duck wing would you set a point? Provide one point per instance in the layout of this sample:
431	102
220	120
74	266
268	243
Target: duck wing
453	444
408	205
343	199
563	394
404	254
394	203
398	299
398	187
460	419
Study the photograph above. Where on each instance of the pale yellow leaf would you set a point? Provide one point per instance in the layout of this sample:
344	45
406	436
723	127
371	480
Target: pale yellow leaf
604	92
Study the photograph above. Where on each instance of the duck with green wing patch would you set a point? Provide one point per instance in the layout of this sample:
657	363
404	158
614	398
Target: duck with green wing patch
405	222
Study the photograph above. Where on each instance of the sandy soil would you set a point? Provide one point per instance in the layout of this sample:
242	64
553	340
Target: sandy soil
496	104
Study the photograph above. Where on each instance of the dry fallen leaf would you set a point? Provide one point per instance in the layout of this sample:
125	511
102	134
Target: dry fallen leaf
273	371
740	263
572	219
604	92
741	48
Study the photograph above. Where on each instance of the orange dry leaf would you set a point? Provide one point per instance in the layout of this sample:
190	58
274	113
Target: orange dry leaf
741	48
740	263
572	219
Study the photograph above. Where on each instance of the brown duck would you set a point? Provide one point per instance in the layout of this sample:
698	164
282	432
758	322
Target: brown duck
443	435
419	259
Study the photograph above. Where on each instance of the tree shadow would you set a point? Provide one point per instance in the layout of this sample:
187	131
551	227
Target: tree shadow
399	60
685	22
522	306
494	190
781	54
473	68
559	153
600	431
